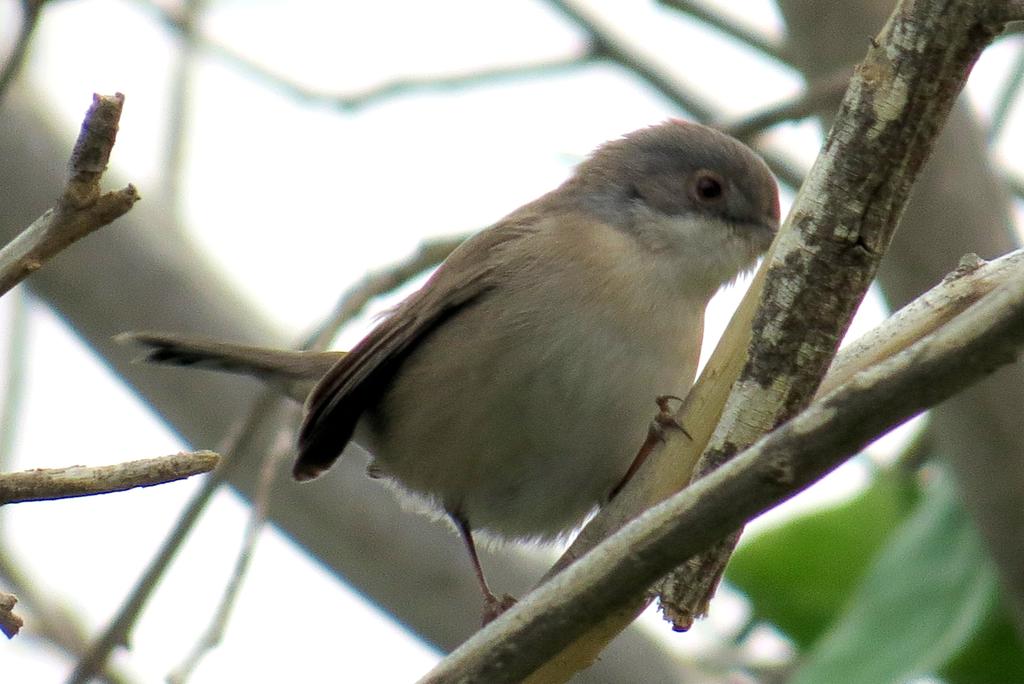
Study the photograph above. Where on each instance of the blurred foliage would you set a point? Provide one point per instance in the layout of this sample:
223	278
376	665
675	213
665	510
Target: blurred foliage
799	575
994	656
906	589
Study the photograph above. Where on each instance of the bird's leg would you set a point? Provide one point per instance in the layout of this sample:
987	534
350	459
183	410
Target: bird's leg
655	433
493	606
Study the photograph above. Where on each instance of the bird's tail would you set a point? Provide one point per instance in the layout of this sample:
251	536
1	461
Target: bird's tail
281	367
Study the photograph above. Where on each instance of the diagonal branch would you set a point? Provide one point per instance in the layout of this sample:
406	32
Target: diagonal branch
755	39
845	217
179	117
213	635
247	438
1007	97
30	10
615	47
429	254
824	94
612	46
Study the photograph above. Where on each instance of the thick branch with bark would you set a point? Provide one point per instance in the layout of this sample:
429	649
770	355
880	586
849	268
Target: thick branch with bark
842	223
960	204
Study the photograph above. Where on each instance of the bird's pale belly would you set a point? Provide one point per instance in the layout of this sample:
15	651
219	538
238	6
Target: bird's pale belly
549	433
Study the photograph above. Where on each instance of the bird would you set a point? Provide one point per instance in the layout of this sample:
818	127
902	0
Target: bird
511	393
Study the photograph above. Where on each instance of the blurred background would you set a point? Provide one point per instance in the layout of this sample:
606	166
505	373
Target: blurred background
303	165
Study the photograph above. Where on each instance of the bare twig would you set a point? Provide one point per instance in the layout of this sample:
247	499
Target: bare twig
619	50
379	93
178	118
81	208
246	438
351	304
117	632
754	39
10	623
30	10
14	382
451	82
826	93
1016	184
45	484
1007	97
429	254
214	633
986	336
50	620
616	48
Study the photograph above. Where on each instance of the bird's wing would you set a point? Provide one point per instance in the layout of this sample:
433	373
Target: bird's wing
358	379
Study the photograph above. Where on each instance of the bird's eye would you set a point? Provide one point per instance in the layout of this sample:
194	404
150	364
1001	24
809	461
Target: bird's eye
707	186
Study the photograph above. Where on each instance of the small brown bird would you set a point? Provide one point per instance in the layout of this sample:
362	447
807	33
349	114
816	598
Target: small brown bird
513	390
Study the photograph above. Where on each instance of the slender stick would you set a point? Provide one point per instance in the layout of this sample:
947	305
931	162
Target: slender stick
45	484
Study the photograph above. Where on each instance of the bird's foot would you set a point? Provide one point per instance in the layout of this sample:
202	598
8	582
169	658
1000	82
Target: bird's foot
494	606
664	420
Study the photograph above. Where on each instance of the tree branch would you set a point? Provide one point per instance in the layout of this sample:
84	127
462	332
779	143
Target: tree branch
1007	96
214	633
376	94
667	469
429	254
250	435
826	93
51	621
754	39
978	432
824	262
30	10
616	48
81	209
45	484
179	118
607	580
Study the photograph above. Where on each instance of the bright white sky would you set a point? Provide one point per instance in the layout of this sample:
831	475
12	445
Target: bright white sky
334	196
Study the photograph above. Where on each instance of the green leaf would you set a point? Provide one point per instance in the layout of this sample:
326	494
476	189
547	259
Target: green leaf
994	656
929	591
800	574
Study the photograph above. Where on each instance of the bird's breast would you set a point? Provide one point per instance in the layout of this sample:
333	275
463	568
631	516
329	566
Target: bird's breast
523	410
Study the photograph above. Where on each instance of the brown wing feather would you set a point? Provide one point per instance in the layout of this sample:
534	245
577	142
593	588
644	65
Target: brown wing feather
361	376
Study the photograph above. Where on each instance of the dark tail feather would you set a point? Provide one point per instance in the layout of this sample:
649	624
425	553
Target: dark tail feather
280	367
